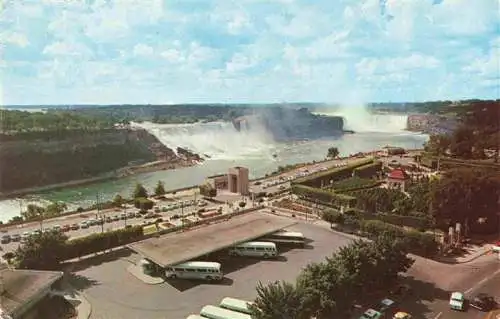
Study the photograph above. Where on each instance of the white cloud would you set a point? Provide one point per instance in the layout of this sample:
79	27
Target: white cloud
69	49
240	62
14	38
249	49
143	50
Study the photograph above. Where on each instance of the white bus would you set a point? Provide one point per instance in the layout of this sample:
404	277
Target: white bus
213	312
286	237
255	249
237	305
195	270
195	317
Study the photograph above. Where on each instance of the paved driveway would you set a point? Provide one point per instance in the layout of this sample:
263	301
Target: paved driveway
114	293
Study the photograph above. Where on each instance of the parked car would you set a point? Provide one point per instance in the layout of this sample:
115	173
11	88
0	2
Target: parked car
131	214
123	216
92	222
386	304
84	225
16	237
138	214
66	228
402	315
483	302
57	228
457	301
371	314
75	227
116	218
5	239
149	215
109	219
25	236
496	247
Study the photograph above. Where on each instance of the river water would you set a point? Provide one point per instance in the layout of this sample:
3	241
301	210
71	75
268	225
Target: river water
226	148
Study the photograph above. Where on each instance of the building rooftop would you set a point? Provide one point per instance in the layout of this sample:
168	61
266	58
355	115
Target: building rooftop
399	174
22	286
174	248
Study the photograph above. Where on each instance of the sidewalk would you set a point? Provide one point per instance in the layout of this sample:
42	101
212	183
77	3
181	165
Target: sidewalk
138	272
473	254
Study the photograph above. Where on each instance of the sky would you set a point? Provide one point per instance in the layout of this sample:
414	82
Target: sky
247	51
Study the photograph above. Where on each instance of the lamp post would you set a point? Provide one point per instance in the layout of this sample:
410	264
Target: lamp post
99	215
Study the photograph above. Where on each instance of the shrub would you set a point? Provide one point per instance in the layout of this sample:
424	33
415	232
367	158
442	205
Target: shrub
335	174
354	183
242	204
323	196
101	241
332	216
416	242
368	170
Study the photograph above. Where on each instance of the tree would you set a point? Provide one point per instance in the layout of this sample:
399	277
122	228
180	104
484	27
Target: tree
333	152
321	283
139	191
55	209
33	212
438	144
160	189
42	251
333	217
278	300
118	200
464	195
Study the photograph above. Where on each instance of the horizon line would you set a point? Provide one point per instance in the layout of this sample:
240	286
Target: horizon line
237	103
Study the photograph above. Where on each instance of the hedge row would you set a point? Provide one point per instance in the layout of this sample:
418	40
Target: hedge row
408	221
368	170
419	243
354	184
323	196
96	242
324	178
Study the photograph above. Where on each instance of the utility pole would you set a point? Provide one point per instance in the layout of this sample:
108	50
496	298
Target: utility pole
182	215
125	212
99	214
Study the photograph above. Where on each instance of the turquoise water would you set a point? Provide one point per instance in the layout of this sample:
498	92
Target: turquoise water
260	161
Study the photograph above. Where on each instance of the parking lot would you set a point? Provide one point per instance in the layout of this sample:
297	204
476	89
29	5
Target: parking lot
115	293
86	223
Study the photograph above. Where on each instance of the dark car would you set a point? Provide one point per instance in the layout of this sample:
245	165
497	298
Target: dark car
483	302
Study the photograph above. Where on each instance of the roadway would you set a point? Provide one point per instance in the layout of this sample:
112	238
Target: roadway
116	224
490	285
274	184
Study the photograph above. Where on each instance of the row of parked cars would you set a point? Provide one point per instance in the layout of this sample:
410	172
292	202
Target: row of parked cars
8	238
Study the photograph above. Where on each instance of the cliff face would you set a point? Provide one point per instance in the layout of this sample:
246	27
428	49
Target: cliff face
290	124
431	123
43	158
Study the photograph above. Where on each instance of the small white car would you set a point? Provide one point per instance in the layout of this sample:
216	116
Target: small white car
457	301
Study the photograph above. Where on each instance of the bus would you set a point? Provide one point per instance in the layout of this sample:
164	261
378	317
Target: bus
195	270
286	237
255	249
195	317
237	305
213	312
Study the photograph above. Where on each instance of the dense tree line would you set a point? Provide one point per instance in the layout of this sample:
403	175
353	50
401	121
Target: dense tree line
478	132
46	250
14	121
331	288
